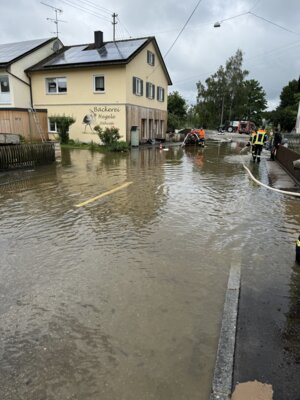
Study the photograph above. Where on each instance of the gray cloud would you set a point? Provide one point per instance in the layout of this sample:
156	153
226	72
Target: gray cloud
270	53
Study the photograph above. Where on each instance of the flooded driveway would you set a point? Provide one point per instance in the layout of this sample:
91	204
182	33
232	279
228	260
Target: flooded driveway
122	297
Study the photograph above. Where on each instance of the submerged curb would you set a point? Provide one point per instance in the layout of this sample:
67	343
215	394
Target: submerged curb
222	380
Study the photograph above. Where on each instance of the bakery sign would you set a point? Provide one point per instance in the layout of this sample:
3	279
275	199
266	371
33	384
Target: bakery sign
104	116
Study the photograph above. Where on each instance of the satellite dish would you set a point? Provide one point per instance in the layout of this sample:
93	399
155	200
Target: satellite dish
55	46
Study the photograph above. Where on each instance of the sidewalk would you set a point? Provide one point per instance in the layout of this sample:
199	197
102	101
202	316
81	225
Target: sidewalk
265	356
279	178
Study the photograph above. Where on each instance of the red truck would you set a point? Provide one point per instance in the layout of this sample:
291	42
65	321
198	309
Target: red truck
238	127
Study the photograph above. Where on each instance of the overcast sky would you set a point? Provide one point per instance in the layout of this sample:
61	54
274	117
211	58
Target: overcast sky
270	39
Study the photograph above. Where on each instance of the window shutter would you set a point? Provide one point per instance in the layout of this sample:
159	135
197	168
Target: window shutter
157	93
147	89
142	87
153	63
153	92
134	85
163	94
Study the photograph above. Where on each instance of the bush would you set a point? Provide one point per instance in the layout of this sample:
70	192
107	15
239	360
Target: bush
63	124
118	146
108	136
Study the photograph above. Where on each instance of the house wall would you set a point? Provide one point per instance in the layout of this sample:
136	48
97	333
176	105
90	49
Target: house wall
117	106
20	88
139	68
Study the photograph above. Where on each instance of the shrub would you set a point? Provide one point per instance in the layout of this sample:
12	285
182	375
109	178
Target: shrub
108	136
118	146
63	123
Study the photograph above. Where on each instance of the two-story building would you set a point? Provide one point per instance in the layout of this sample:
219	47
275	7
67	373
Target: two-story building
15	85
122	83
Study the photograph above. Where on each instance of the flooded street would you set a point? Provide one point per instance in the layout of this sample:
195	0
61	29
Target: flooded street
122	298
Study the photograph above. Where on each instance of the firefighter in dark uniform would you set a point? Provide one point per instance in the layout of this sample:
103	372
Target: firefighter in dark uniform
258	141
298	250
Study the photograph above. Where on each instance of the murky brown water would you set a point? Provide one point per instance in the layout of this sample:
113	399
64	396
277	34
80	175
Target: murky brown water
123	298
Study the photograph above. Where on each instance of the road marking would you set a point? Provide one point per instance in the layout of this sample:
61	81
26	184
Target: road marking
104	194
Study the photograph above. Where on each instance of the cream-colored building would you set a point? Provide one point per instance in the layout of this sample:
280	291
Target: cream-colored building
15	84
121	84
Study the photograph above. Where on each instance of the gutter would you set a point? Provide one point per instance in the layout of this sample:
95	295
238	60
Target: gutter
15	76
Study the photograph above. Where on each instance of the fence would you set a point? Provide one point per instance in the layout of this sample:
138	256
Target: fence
26	155
293	141
285	156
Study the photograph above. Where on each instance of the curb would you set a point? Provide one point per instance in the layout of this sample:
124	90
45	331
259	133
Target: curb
222	380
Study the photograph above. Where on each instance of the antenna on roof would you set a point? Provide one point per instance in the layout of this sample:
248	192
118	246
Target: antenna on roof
114	25
56	20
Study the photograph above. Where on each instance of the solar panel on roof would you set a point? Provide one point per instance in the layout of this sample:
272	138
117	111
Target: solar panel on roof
10	51
112	51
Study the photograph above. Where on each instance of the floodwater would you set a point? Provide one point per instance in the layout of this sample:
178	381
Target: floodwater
122	298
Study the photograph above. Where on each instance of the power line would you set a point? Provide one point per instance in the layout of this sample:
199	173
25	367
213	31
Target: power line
91	4
86	10
274	23
182	29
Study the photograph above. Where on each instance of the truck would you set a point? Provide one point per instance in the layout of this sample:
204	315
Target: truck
238	127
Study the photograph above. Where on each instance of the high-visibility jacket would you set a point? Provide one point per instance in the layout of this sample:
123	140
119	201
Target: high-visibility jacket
260	137
202	134
253	136
298	243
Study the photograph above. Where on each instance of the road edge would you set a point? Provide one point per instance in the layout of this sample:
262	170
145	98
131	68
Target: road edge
223	372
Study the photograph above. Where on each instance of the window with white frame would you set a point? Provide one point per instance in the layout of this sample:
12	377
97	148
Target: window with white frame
4	84
99	84
160	93
137	86
150	90
56	85
150	58
52	127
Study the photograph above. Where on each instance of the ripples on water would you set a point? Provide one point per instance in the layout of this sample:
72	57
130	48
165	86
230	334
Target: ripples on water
122	298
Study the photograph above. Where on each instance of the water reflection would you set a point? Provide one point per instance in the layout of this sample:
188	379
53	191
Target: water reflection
121	298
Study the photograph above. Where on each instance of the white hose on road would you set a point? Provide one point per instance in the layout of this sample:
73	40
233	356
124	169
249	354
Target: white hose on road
296	194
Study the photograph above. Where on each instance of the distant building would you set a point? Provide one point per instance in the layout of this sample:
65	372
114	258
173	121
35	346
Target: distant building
121	83
15	85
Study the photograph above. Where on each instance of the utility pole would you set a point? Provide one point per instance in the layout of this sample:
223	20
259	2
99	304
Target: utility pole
114	25
56	20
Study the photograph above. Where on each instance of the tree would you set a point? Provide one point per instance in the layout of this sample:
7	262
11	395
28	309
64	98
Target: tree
177	110
255	101
286	113
220	97
63	124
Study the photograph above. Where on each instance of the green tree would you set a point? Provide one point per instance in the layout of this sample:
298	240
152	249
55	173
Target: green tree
177	111
286	113
220	97
63	123
255	102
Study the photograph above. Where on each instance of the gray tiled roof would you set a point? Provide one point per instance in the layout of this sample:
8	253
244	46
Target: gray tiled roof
109	52
12	51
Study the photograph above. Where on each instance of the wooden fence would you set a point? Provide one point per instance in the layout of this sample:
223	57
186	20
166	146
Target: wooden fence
26	155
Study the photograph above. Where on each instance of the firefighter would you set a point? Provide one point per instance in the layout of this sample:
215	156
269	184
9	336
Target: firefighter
201	136
251	142
259	139
298	250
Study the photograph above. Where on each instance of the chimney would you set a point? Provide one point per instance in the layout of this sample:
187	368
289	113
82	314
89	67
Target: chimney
98	39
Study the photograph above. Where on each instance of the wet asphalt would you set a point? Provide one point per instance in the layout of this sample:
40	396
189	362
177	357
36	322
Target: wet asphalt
267	343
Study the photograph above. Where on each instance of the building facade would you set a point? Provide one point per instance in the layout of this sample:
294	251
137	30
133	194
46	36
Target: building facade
15	86
122	84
